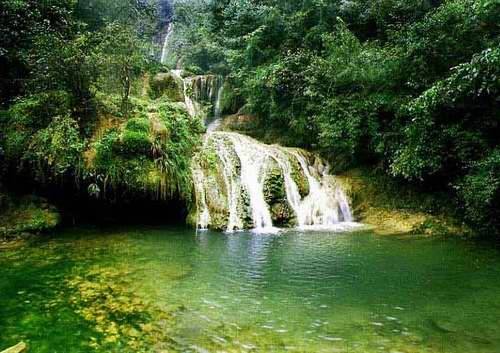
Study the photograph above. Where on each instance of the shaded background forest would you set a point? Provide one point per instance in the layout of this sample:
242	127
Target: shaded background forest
410	88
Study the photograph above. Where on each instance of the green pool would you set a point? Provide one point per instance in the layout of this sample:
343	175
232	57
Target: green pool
175	290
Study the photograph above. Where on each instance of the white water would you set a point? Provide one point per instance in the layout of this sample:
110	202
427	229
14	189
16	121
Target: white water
164	51
200	91
204	219
192	107
242	165
326	205
245	164
216	122
232	183
253	161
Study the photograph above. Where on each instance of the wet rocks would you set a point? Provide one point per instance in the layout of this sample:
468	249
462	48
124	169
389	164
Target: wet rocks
275	196
247	184
168	85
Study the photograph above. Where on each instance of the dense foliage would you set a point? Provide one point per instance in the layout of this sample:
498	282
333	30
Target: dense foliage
75	103
411	85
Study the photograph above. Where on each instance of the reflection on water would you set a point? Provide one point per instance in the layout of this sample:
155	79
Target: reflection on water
167	289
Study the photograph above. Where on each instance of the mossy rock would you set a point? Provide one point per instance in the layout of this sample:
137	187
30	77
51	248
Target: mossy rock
283	215
275	195
244	209
216	198
299	178
219	221
394	208
28	214
167	85
135	143
274	185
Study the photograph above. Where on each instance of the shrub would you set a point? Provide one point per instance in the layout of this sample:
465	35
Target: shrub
36	111
138	125
55	150
480	193
26	117
134	143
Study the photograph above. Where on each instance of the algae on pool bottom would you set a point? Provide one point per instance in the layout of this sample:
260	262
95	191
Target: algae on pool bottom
174	290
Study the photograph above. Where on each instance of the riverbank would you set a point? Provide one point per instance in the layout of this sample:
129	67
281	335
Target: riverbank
396	208
24	216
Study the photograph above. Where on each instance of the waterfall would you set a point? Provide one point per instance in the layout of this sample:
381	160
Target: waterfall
252	158
215	123
242	183
164	51
324	206
192	107
200	92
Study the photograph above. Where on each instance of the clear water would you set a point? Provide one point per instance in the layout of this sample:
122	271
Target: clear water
244	292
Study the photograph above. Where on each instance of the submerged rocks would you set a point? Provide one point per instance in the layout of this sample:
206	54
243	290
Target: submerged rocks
105	299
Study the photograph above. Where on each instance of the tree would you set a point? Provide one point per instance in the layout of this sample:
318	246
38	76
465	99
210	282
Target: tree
123	57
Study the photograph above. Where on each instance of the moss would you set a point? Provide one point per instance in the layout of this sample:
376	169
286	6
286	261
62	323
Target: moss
299	178
216	198
140	124
394	208
275	196
244	208
28	214
167	85
283	215
274	185
149	153
134	143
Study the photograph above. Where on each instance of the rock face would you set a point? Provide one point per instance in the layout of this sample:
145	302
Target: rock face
241	183
168	85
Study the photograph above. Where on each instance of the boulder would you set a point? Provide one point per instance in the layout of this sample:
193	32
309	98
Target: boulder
167	85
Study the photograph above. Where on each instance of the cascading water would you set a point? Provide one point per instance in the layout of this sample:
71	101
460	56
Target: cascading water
241	183
200	91
192	106
164	50
215	123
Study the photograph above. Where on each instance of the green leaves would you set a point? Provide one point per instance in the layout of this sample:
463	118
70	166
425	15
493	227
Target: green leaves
441	119
480	192
55	150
